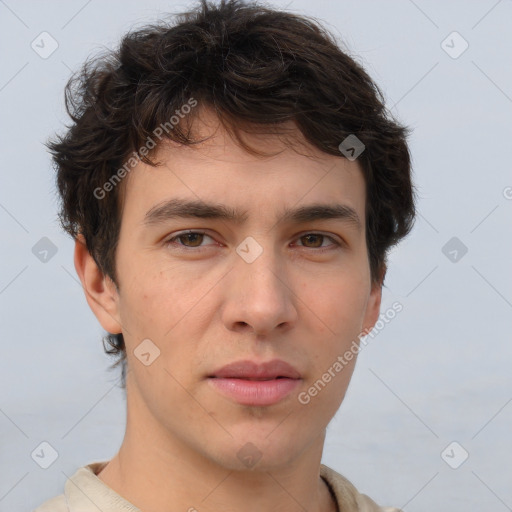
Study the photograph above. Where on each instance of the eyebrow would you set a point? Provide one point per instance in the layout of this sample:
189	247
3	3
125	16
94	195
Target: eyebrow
187	209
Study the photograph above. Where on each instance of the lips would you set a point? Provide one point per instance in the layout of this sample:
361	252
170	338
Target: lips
258	384
251	370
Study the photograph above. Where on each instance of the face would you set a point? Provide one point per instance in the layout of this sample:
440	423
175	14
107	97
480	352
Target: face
279	298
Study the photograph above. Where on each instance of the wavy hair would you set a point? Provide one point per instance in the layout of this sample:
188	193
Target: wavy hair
256	67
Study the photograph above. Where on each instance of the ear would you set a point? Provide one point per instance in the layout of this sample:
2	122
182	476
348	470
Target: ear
100	290
373	306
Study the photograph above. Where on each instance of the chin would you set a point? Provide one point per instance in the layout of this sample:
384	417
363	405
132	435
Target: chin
259	452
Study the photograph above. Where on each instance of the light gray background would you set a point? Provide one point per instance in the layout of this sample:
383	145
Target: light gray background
439	372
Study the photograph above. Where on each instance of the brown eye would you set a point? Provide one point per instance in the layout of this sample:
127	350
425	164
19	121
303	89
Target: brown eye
188	240
315	241
194	238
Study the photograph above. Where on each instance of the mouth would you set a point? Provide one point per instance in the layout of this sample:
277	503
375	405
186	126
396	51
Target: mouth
256	384
258	379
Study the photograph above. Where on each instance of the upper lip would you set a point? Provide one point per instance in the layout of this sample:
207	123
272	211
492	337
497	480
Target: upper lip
253	370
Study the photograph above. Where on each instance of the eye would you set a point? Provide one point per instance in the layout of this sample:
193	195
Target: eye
194	237
317	239
190	240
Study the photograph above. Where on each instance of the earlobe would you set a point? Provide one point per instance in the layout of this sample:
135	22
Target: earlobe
100	291
373	307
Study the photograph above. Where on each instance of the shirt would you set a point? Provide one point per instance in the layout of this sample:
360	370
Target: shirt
85	492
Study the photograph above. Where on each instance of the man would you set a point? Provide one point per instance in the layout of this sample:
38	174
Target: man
233	184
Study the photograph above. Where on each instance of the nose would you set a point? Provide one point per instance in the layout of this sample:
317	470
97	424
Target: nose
258	298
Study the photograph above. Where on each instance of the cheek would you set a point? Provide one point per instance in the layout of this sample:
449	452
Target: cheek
147	288
159	302
338	303
140	306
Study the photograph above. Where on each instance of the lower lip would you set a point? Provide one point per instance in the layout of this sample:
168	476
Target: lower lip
255	392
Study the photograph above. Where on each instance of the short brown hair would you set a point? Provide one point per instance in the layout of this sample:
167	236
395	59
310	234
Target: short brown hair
257	67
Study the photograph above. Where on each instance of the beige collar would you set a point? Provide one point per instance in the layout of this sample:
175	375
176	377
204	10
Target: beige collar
84	491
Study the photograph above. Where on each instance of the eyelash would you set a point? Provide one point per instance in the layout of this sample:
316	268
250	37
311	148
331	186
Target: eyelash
170	241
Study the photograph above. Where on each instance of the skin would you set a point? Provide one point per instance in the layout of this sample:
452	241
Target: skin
207	309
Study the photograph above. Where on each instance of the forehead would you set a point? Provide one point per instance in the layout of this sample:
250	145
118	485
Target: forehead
219	170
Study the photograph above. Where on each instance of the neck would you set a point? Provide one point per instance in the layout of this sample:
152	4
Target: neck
148	492
164	482
159	473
